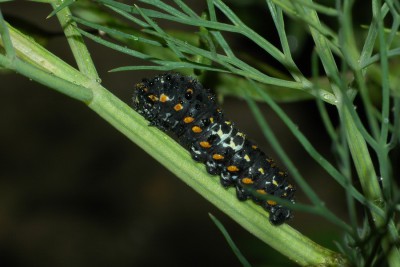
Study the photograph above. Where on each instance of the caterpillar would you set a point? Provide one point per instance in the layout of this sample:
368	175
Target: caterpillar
179	105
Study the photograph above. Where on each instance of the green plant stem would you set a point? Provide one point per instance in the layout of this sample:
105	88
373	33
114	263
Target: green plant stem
47	79
352	56
232	244
370	185
5	38
356	140
33	61
385	80
383	138
75	41
31	52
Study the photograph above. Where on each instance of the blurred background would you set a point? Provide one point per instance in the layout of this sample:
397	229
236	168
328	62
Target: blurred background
76	192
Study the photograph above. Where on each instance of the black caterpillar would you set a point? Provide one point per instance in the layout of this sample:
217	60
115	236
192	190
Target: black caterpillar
181	106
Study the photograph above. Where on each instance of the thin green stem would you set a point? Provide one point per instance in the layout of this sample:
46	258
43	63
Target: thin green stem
5	37
76	43
385	81
369	182
228	239
369	42
323	48
277	16
394	140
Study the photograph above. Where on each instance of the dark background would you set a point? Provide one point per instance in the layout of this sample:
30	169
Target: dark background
75	192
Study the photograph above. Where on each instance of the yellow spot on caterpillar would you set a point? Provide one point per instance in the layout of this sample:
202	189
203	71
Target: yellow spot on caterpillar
205	144
232	144
232	168
218	157
188	119
247	158
164	98
254	147
275	182
247	180
228	122
197	129
178	107
211	119
153	98
261	170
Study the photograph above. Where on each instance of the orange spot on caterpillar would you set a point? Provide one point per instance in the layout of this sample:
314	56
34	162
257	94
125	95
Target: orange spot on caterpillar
197	129
164	98
247	180
205	144
178	107
218	156
232	168
188	119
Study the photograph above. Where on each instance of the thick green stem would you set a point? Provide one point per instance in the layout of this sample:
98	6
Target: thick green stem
47	79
